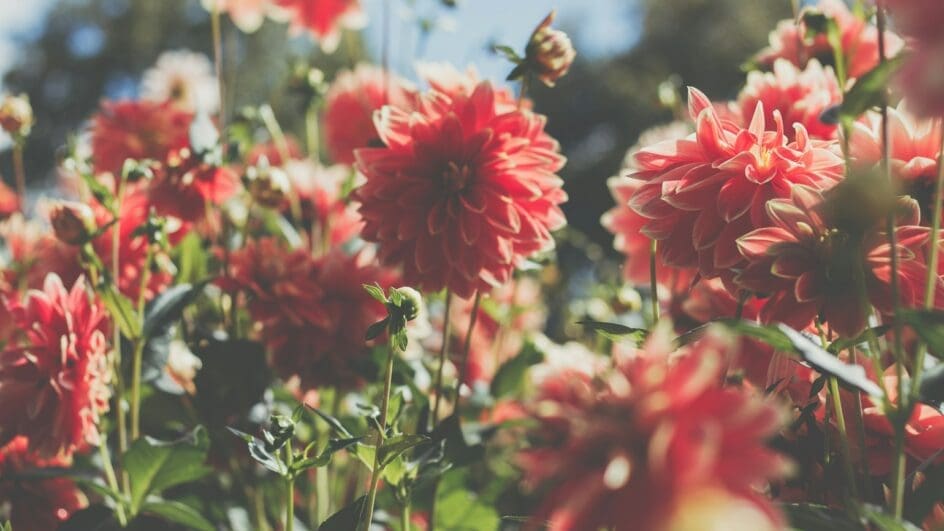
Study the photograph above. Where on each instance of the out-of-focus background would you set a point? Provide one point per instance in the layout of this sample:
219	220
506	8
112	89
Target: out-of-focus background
69	54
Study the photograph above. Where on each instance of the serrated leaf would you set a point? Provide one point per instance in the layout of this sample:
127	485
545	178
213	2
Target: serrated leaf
154	465
260	454
178	513
376	292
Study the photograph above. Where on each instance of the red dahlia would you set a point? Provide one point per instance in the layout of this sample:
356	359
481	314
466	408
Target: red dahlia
137	130
324	18
647	445
463	192
53	381
703	192
807	265
36	503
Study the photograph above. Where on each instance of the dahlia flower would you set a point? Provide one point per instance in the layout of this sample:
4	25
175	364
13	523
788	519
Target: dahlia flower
918	19
333	351
324	19
914	146
859	41
644	446
462	193
73	223
703	192
323	207
807	265
350	104
921	81
446	78
549	51
16	115
37	503
187	185
53	380
185	78
800	96
137	130
9	201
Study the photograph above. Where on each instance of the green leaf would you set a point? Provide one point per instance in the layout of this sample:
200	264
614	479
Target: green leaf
347	518
508	53
824	362
396	445
165	309
331	421
614	331
510	376
461	510
929	325
155	465
884	521
376	329
376	292
100	192
932	386
463	444
768	334
869	90
334	446
843	344
259	453
178	513
191	259
810	517
122	311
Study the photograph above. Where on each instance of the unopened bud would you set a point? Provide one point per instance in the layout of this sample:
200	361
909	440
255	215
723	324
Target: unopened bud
16	115
549	52
73	223
410	302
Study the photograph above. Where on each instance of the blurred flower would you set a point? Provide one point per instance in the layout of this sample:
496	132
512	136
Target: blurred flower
187	185
324	19
53	381
807	266
184	78
182	365
461	194
73	223
703	192
549	51
918	19
647	442
36	503
137	130
800	96
268	185
914	147
446	78
9	201
247	15
859	41
323	207
562	360
921	80
16	115
350	104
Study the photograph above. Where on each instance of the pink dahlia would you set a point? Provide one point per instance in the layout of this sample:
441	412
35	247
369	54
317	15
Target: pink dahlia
36	503
800	96
462	193
137	130
859	41
917	19
324	19
656	444
703	192
53	380
807	265
446	78
187	186
921	81
914	148
350	104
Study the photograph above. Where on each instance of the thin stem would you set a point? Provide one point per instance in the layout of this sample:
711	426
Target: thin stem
860	425
405	517
381	435
111	478
322	493
843	438
289	489
467	344
139	350
934	257
311	132
218	59
443	352
19	171
653	283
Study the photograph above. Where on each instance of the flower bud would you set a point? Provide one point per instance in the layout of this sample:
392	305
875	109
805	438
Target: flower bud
410	302
267	185
549	52
73	223
16	115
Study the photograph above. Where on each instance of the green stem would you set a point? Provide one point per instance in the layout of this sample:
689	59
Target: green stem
443	353
289	489
111	478
139	344
653	284
218	60
381	435
843	440
467	344
405	517
19	171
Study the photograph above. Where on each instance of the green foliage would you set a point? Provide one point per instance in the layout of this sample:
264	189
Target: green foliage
347	518
459	509
121	310
154	465
869	90
179	513
614	331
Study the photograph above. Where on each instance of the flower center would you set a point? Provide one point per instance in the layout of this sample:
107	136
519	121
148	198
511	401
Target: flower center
456	178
